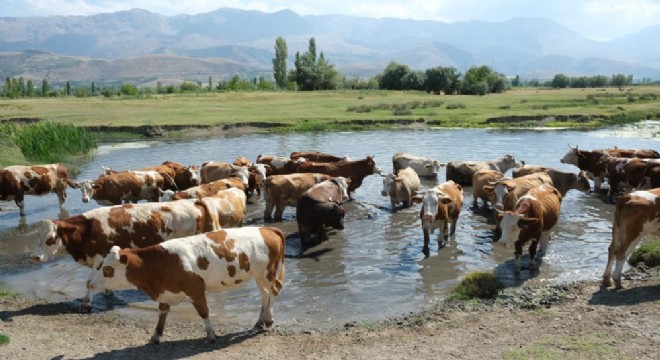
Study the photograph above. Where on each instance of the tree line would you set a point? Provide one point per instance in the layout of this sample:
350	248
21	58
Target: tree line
315	72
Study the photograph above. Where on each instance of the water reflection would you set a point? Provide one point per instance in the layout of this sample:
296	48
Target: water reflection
375	266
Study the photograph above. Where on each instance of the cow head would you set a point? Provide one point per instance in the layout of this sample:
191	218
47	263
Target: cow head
242	173
52	242
430	200
506	162
88	188
583	182
498	191
388	182
111	274
193	174
571	156
105	170
512	223
165	195
372	163
259	171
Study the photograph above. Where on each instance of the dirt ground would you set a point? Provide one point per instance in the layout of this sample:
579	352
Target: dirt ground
571	321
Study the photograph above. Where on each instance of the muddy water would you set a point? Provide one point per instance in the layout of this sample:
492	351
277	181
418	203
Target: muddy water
375	267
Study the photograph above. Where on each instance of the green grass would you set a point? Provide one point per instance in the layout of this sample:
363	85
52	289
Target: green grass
4	339
477	285
7	293
567	347
647	253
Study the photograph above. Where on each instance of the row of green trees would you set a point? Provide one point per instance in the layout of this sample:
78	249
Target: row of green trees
564	81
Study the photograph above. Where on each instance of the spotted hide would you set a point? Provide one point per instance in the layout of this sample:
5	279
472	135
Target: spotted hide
89	236
441	207
636	219
187	268
18	181
533	218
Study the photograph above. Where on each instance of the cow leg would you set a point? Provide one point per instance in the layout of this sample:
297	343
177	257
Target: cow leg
61	197
265	320
86	306
598	183
611	257
518	254
545	240
268	211
279	210
199	302
452	229
532	253
162	316
427	239
618	267
20	202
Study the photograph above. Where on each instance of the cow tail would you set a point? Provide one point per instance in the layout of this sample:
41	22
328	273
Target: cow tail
71	184
278	283
211	220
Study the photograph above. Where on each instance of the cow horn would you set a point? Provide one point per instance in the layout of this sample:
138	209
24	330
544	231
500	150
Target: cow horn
490	182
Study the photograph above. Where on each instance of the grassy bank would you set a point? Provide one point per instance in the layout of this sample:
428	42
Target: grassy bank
311	111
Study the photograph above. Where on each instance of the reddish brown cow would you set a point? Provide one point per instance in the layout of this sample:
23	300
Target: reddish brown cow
480	179
316	156
533	218
18	181
184	177
636	218
321	206
441	206
189	267
356	170
628	171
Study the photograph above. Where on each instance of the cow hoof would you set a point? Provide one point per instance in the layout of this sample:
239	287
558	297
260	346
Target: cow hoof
618	285
210	340
426	252
155	339
607	282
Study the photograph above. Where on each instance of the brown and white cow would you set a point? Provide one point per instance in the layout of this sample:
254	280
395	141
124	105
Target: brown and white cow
533	218
89	236
480	179
20	180
184	177
122	187
441	207
242	161
212	171
187	268
281	191
561	180
461	172
355	170
504	193
636	219
401	187
227	208
279	165
424	167
204	190
316	156
626	171
321	206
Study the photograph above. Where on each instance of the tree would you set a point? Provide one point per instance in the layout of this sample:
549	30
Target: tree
310	74
68	88
619	80
45	87
482	80
279	62
442	80
413	80
30	88
392	76
560	81
128	89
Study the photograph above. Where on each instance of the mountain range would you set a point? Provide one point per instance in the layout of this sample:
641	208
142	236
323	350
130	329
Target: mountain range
145	47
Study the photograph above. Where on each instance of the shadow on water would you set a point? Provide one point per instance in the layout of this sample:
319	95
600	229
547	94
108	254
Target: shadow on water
178	349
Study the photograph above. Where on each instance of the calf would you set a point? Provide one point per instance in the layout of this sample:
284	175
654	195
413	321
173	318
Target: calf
480	179
356	170
122	187
636	219
281	191
532	219
178	177
187	268
461	172
423	166
18	181
441	206
401	187
204	190
89	236
563	181
316	156
321	206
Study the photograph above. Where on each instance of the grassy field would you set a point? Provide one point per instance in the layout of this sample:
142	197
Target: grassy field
629	104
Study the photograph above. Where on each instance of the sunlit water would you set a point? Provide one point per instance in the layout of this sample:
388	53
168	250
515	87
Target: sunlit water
375	267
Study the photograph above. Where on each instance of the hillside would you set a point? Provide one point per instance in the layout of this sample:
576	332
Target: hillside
228	41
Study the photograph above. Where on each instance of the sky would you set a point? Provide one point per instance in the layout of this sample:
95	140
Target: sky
594	19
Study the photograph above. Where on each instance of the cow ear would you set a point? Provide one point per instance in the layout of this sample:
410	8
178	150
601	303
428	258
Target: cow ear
527	221
123	259
96	186
417	199
488	188
510	187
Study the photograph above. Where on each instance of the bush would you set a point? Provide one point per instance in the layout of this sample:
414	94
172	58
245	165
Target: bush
647	254
49	142
4	339
480	285
456	106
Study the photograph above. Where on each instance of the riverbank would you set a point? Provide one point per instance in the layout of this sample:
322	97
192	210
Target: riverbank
577	321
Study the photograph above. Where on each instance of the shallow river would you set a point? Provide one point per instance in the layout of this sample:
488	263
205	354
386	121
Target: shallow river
375	267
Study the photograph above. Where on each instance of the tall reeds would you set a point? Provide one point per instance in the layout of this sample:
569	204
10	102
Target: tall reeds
49	142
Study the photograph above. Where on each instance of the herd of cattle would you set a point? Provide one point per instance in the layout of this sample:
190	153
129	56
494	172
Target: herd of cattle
188	237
